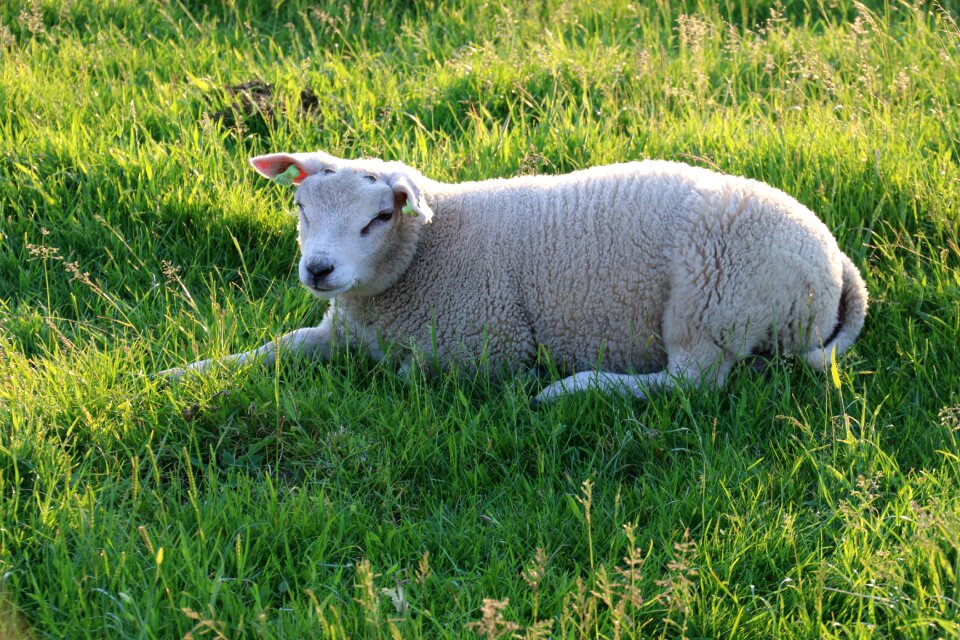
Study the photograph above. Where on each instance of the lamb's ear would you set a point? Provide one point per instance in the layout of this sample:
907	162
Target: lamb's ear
407	196
274	164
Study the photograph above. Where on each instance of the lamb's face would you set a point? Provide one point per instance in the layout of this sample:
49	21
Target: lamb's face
354	235
352	232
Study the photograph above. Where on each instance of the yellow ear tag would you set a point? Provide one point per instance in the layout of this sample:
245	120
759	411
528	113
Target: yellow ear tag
407	209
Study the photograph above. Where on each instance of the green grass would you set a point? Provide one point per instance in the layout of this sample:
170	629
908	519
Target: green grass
295	502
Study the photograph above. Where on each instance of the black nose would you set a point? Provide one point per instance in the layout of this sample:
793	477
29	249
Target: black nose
319	271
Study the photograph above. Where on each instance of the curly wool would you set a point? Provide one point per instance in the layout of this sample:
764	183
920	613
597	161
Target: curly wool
617	267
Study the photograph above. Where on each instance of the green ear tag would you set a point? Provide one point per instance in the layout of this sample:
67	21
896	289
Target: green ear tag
286	178
407	209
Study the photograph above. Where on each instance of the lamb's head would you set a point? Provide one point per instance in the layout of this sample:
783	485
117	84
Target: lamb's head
359	219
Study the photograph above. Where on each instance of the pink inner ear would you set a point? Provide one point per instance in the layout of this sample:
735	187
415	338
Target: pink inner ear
273	165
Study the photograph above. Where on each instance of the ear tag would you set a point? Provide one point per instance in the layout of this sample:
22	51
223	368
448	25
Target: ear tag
408	210
286	178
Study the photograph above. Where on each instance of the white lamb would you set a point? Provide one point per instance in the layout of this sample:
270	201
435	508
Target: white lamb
656	273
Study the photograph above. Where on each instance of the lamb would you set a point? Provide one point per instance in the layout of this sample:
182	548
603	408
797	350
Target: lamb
636	276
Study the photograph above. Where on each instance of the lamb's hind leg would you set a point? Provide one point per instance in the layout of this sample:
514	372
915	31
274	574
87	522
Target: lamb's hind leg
707	365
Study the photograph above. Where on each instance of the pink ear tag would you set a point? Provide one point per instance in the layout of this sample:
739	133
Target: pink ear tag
289	176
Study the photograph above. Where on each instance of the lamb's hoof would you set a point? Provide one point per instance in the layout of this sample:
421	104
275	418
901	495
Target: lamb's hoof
178	373
551	393
170	375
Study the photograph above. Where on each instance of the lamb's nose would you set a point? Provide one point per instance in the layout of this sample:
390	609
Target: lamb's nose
319	270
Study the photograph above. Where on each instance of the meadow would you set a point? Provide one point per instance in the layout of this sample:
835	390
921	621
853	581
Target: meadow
340	500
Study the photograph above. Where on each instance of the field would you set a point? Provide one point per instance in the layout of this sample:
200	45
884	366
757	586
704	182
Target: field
340	500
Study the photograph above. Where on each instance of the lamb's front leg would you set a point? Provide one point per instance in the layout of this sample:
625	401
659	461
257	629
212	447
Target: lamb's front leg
313	342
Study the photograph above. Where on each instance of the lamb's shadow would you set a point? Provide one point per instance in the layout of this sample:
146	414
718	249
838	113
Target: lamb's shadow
94	245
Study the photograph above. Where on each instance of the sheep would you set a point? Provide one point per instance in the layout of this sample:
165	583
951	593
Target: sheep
636	276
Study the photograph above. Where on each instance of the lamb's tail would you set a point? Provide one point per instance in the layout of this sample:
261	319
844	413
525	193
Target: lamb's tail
850	317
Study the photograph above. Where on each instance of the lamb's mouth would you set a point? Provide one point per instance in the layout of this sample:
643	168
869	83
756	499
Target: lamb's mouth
330	291
327	292
323	292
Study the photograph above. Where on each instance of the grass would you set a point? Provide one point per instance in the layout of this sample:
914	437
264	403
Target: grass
337	500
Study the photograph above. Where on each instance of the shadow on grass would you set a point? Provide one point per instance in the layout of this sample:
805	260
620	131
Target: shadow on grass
13	626
96	246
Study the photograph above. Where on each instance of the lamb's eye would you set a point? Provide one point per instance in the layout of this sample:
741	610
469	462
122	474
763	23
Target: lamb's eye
383	216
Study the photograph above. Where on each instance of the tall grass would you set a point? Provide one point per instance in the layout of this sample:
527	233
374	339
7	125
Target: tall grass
339	500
